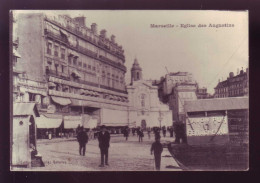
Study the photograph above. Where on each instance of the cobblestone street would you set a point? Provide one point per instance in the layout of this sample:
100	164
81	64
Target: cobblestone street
63	155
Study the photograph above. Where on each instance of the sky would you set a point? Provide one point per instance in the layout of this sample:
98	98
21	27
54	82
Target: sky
209	53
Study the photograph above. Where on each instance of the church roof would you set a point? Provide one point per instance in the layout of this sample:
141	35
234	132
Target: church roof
136	65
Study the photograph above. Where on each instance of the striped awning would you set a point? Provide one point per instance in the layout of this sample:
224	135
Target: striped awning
61	101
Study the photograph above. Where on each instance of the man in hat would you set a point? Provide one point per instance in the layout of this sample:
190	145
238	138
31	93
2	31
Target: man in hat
103	139
157	149
82	138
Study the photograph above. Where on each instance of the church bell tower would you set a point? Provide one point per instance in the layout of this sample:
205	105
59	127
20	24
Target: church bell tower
136	72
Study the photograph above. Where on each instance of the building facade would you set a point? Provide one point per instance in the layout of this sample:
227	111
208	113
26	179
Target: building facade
181	93
233	86
145	108
202	93
78	74
176	88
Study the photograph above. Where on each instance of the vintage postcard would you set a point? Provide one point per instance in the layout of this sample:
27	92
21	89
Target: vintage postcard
129	90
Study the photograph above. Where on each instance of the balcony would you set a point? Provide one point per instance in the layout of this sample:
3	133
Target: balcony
56	36
107	60
86	51
88	38
60	75
112	89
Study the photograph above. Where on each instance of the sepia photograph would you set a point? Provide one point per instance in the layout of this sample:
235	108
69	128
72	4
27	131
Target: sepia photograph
129	90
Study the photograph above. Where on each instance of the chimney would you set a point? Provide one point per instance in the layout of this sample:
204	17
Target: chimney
81	21
231	75
113	38
94	28
103	33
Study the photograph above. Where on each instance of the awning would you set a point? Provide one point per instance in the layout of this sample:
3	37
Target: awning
86	92
65	88
51	84
16	53
72	122
47	123
217	104
92	123
61	101
81	92
76	73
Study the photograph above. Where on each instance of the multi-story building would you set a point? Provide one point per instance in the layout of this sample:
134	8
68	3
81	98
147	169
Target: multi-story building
176	88
233	86
83	71
181	92
145	107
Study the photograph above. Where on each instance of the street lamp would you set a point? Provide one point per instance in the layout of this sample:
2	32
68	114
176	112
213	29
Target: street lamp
160	118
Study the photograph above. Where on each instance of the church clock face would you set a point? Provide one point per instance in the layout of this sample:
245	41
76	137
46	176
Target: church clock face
207	126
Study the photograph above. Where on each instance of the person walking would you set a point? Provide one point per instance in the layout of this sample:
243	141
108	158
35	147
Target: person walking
104	139
141	135
82	138
157	149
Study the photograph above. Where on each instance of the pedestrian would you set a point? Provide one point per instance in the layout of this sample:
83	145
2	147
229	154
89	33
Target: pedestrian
164	131
141	135
157	132
103	139
179	130
126	134
171	131
83	140
149	132
157	149
133	131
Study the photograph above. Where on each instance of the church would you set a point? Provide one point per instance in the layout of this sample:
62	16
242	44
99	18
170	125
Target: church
145	108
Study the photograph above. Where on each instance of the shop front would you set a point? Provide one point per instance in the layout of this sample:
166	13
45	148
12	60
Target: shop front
49	127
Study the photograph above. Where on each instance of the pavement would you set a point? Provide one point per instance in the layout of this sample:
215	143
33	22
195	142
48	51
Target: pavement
62	154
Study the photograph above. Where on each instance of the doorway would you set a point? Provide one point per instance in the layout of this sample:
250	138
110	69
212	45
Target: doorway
143	124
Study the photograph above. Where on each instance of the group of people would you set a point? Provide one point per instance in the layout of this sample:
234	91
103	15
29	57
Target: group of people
104	140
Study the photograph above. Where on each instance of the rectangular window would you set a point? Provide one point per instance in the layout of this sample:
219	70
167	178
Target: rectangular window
75	61
80	64
62	53
85	65
62	68
69	59
94	68
49	46
56	68
89	66
56	51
